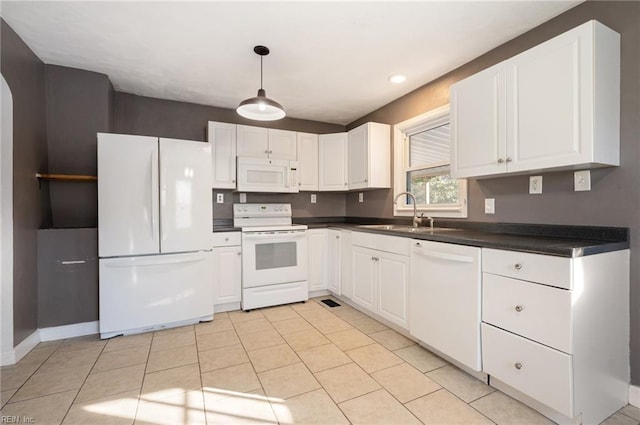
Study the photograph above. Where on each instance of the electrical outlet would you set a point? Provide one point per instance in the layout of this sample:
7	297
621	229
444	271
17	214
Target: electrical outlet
535	185
314	198
582	180
243	198
490	206
220	198
360	197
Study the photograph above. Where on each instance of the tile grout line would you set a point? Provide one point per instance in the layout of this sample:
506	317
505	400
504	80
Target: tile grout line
83	382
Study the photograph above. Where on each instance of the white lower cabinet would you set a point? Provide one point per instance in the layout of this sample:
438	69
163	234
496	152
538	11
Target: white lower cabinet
227	271
558	340
380	275
317	250
363	276
334	261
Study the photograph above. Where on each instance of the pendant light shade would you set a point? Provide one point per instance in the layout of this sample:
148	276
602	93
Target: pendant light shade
261	108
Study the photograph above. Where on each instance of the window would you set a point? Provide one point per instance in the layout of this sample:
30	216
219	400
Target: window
421	164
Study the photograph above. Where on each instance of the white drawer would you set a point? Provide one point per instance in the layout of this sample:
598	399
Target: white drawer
227	238
546	269
538	371
395	244
538	312
366	240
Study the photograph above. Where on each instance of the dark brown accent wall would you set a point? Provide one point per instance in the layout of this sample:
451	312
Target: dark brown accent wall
79	104
25	74
614	199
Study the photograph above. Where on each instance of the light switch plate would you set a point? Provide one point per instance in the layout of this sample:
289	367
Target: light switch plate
360	197
535	185
314	198
490	206
243	198
220	198
582	180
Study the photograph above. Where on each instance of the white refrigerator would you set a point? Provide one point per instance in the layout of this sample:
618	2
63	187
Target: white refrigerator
154	233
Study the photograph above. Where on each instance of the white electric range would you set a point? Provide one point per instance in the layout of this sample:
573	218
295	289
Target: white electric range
274	255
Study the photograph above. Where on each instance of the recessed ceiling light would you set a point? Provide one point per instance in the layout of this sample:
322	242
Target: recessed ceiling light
397	78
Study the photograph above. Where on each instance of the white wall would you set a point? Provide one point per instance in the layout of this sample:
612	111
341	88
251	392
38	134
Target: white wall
6	225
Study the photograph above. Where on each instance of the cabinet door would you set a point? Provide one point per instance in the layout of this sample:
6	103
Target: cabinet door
282	144
346	286
358	157
333	162
478	134
334	260
549	97
363	274
252	141
317	243
227	269
222	137
393	288
307	161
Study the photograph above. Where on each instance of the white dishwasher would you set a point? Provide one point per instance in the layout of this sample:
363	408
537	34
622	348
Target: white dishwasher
445	294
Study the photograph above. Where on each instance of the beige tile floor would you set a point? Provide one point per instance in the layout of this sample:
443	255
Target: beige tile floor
296	364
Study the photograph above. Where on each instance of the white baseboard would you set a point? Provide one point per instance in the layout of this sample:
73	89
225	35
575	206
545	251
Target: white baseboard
634	395
21	350
221	308
69	331
320	293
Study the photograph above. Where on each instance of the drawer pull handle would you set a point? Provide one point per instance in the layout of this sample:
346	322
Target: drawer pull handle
518	366
418	245
518	266
500	160
226	239
239	253
518	308
69	262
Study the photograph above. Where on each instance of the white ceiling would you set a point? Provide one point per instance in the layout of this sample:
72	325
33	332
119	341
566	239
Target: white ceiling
329	61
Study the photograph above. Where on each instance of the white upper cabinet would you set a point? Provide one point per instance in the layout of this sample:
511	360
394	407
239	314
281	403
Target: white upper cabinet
478	133
333	162
283	144
252	141
555	106
222	137
260	142
307	161
369	151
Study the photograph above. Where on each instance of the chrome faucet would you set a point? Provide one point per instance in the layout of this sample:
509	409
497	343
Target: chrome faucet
416	220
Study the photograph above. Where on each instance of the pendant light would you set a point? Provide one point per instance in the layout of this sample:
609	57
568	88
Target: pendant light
261	108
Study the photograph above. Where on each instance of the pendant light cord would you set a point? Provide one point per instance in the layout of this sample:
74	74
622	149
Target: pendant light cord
260	72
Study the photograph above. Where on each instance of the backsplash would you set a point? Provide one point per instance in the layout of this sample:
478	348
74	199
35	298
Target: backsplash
329	204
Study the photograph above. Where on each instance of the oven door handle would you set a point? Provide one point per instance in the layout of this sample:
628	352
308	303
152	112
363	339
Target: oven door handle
289	234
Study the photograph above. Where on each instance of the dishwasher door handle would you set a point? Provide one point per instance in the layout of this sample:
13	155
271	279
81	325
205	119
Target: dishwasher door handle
446	256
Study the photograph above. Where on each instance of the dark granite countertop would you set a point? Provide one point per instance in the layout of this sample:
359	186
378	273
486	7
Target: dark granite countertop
562	241
557	240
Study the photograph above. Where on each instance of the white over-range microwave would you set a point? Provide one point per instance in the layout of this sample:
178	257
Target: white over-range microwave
267	175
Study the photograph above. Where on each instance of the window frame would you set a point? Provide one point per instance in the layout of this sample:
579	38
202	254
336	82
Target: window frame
401	131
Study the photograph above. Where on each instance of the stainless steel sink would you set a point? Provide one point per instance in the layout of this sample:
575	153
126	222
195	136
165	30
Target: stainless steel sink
408	229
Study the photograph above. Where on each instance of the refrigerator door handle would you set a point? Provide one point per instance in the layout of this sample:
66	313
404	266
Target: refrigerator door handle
153	184
163	197
155	260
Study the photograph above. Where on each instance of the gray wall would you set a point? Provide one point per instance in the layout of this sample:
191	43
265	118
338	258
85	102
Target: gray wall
25	75
79	104
167	118
614	199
